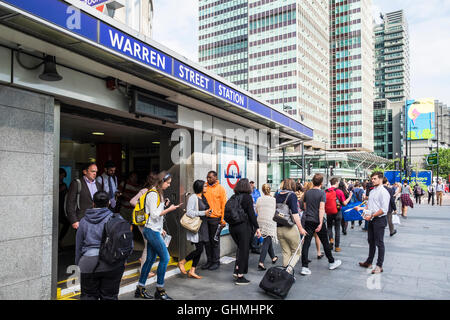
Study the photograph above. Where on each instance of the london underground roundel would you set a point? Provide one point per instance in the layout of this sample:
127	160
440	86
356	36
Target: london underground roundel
232	174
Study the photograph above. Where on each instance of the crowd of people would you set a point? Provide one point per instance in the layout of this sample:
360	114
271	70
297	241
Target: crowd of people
316	211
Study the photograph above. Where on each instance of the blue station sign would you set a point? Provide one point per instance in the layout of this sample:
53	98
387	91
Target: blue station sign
193	77
135	49
231	95
74	20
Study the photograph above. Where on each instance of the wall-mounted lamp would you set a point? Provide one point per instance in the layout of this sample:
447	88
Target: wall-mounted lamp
49	62
50	73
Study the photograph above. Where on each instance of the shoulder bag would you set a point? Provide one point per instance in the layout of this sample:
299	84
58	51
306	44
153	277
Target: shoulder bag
283	214
191	224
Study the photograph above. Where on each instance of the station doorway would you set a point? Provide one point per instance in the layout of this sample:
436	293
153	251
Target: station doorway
135	147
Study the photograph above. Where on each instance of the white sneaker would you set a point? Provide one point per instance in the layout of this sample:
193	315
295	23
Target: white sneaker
305	271
335	264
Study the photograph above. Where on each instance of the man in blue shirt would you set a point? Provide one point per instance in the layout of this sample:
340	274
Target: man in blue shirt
255	193
109	183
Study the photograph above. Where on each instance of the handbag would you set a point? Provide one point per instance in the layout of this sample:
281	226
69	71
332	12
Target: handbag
395	219
283	214
191	224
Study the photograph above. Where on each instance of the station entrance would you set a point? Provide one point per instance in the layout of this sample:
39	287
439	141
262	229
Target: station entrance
137	148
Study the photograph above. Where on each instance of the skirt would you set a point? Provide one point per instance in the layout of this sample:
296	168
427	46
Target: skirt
406	201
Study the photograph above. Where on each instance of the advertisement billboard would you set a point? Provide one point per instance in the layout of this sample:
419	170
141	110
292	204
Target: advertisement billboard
421	119
421	177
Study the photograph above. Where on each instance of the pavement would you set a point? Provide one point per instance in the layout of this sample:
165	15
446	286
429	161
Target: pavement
416	267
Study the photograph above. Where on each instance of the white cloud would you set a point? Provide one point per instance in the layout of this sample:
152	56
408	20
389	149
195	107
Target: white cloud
175	25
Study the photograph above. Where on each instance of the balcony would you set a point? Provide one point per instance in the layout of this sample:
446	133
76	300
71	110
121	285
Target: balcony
389	76
394	43
393	50
394	36
395	88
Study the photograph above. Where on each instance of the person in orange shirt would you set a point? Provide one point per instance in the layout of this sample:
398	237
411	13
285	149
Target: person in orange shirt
217	198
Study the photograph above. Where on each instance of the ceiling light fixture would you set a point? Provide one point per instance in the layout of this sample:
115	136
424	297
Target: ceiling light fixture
98	133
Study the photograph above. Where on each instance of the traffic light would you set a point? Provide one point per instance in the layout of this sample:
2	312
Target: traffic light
309	168
331	171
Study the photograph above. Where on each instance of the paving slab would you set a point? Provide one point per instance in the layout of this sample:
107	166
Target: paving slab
416	266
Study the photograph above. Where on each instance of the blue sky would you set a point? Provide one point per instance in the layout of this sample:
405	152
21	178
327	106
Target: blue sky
176	26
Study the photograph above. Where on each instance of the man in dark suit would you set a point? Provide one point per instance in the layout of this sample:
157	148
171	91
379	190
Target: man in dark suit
88	187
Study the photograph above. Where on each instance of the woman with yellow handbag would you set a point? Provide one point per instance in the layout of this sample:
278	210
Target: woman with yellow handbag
197	208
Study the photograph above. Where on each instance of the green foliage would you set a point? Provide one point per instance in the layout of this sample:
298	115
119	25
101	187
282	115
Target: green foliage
378	169
444	162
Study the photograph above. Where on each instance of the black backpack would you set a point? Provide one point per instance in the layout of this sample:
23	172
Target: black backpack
117	240
234	214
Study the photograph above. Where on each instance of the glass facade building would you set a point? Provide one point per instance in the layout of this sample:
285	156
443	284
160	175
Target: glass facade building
383	129
392	74
352	75
278	50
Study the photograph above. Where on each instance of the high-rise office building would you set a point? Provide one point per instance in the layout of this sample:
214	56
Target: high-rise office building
223	39
352	74
278	50
392	82
392	74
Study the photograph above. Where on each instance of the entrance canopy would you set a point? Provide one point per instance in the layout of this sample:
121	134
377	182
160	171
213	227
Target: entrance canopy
73	25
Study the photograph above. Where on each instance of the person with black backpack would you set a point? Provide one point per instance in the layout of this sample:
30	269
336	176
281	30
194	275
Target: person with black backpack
100	266
240	215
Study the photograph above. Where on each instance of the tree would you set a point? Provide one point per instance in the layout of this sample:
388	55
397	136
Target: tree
444	162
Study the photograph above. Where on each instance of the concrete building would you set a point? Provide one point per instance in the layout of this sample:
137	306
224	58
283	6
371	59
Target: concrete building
276	49
71	71
392	68
352	74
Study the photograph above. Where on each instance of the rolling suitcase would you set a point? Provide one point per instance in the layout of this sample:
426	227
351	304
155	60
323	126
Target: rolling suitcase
279	280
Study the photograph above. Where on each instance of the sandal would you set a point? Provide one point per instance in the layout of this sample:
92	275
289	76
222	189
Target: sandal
261	267
320	256
274	260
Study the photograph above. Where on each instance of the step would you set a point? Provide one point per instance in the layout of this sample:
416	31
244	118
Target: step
129	281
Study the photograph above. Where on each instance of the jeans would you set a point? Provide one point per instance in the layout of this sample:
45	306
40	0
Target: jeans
310	227
375	237
155	246
266	247
101	285
336	220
